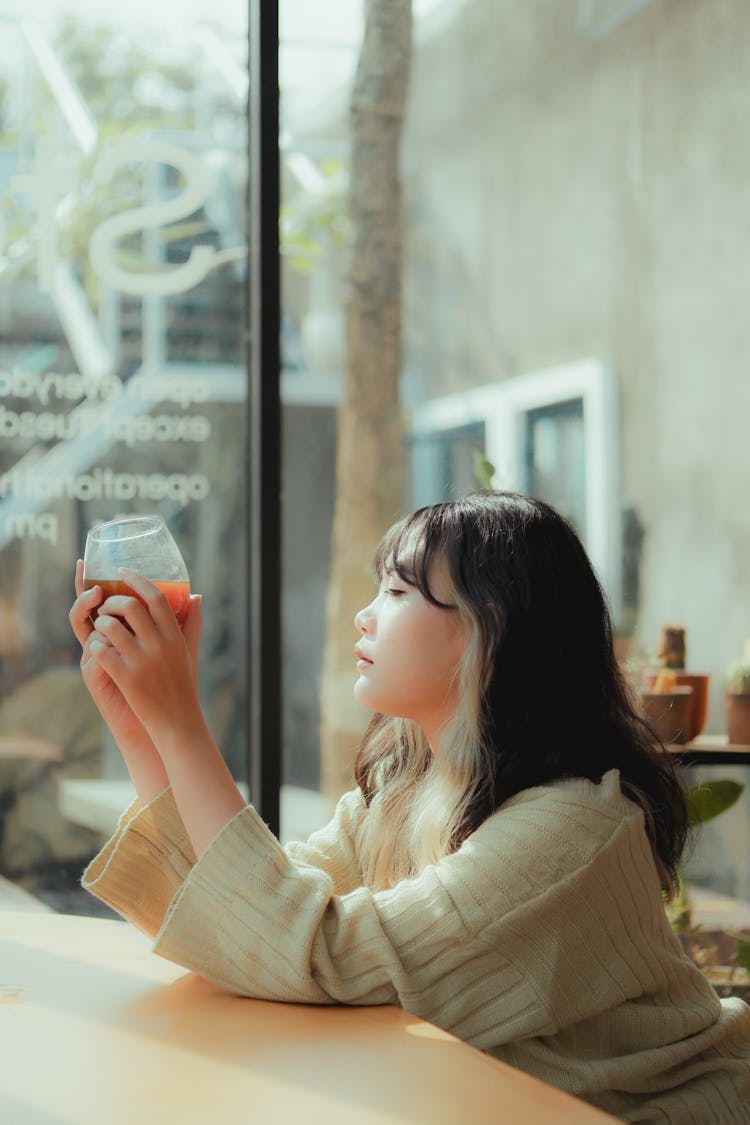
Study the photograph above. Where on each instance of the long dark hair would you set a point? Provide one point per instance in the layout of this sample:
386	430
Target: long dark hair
552	700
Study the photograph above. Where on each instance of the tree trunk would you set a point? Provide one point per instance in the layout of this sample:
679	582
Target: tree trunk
369	441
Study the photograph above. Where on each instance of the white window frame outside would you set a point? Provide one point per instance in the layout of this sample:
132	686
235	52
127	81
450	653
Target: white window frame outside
503	408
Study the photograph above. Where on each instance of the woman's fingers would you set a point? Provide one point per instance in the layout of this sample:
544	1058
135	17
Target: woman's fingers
90	666
81	610
101	656
191	630
95	676
144	609
154	599
137	643
127	609
114	630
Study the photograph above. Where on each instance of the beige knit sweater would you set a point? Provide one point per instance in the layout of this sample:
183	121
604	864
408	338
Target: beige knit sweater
542	940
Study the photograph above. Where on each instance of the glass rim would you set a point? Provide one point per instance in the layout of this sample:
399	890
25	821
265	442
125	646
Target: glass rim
146	525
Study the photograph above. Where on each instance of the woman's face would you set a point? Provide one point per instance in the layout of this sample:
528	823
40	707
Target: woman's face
408	652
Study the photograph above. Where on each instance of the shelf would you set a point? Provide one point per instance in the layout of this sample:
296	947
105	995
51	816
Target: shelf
711	750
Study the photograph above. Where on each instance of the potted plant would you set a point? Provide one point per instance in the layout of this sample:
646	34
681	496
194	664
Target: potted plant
675	701
721	953
667	708
738	699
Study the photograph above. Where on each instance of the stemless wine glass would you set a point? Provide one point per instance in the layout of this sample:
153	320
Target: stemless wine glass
144	544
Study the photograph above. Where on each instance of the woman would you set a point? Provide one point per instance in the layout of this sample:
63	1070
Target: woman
499	868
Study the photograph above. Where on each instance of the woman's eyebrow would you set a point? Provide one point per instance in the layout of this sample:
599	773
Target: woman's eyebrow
403	572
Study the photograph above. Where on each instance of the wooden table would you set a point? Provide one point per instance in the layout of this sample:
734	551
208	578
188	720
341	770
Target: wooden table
97	1030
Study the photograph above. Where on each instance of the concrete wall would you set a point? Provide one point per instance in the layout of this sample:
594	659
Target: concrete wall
576	188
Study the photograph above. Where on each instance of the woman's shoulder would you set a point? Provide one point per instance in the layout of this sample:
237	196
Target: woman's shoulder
572	796
547	837
569	821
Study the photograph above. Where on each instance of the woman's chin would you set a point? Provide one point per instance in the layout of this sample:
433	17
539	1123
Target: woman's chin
361	694
366	697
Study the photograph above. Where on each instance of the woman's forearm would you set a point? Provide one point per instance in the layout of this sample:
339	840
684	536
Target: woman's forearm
144	765
202	786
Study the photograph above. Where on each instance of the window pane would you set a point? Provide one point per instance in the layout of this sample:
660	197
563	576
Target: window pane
572	184
122	377
317	49
555	459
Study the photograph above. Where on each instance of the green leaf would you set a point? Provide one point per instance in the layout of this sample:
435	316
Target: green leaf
710	798
742	954
484	470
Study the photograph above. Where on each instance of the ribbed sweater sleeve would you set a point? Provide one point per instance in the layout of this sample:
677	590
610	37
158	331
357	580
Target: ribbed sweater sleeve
332	848
259	924
257	921
141	868
542	940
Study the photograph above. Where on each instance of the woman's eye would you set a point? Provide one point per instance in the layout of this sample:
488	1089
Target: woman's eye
394	591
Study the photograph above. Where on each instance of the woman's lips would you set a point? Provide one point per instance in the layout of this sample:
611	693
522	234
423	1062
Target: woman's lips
362	660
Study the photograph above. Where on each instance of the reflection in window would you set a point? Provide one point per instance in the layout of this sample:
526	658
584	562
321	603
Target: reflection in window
122	379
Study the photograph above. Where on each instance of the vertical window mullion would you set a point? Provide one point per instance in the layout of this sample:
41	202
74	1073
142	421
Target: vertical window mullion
263	442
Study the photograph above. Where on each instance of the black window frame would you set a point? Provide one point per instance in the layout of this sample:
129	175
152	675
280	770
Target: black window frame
263	415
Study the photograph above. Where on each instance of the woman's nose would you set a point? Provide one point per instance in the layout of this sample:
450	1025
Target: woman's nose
362	620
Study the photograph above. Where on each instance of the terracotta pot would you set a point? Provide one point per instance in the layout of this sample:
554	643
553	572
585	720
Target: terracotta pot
669	713
699	682
738	717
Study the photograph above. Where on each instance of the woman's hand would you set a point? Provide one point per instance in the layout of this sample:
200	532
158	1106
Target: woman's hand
141	757
126	727
137	644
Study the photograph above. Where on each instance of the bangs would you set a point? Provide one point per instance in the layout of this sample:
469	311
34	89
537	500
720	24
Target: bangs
409	548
